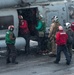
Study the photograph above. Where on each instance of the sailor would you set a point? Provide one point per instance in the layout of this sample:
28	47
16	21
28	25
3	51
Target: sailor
10	42
51	36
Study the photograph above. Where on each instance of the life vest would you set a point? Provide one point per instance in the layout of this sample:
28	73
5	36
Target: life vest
7	38
61	38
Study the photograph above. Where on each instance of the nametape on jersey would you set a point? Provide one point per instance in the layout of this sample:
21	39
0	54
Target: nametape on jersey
63	33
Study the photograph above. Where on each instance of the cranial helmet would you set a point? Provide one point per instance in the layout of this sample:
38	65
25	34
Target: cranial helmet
68	25
55	18
40	16
11	27
20	17
60	28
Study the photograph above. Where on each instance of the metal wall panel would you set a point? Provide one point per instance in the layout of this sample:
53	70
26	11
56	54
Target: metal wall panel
8	3
49	15
70	11
56	10
7	12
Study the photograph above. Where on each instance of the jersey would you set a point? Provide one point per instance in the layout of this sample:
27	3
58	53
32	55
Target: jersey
61	38
7	38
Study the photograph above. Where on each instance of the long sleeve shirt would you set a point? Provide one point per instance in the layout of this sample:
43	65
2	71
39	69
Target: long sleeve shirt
24	27
39	26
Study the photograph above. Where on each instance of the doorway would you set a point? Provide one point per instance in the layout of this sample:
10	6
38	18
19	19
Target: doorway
30	15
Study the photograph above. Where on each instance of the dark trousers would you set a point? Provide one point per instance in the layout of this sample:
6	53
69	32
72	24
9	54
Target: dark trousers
11	53
27	47
69	47
64	49
41	43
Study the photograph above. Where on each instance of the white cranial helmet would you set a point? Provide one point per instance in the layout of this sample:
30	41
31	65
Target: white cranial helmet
55	18
68	25
40	16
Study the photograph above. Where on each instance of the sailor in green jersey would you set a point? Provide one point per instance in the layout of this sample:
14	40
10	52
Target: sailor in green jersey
10	42
41	33
8	39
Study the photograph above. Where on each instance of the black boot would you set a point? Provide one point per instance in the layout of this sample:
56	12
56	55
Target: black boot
56	62
68	63
8	61
15	62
